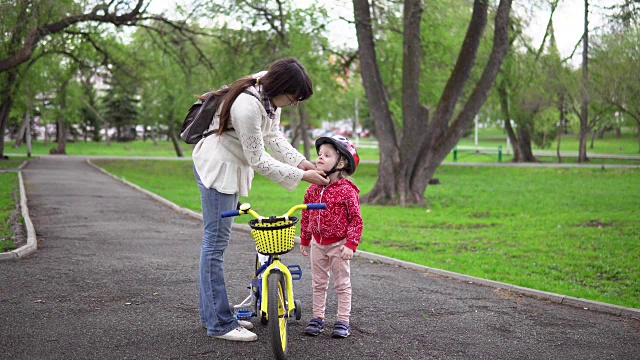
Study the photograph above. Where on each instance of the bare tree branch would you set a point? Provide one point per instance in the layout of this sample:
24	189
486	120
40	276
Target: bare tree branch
271	19
554	6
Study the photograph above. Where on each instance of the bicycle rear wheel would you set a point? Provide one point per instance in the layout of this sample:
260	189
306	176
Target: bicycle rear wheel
277	313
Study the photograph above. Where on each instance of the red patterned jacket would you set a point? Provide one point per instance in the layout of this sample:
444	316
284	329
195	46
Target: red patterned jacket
341	219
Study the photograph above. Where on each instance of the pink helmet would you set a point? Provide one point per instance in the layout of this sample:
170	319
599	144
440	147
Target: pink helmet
344	147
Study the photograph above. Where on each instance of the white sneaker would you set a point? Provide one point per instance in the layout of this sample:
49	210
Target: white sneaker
245	324
239	334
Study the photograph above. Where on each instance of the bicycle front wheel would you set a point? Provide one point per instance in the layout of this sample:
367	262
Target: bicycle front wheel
277	314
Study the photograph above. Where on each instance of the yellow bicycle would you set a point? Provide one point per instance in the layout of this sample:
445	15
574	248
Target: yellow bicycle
274	236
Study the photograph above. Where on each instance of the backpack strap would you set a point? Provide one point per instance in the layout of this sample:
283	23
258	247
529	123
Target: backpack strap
204	135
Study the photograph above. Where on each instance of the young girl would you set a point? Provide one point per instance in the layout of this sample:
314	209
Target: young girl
336	231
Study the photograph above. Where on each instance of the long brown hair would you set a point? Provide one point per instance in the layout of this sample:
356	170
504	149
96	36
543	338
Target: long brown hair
285	76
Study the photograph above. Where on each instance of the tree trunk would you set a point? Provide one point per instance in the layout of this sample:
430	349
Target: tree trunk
61	132
561	130
5	108
506	112
296	132
174	135
27	120
154	135
105	123
524	135
407	164
584	127
60	121
302	114
20	135
46	136
384	190
593	137
443	145
415	116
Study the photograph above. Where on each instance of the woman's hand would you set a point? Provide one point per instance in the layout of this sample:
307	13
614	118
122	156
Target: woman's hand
306	165
304	250
315	177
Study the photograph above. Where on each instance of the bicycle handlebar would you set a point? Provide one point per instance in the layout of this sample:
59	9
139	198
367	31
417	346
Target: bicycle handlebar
318	206
230	213
246	209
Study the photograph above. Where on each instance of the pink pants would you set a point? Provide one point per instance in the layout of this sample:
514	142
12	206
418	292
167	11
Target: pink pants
325	260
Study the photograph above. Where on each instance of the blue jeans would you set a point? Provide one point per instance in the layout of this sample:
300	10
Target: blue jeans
215	312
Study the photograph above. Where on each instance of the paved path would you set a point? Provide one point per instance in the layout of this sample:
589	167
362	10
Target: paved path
115	278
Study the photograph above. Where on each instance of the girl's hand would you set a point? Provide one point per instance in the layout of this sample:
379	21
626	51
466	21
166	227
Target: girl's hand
346	253
306	165
304	250
315	177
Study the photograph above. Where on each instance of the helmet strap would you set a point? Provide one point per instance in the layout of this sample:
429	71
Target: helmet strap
334	169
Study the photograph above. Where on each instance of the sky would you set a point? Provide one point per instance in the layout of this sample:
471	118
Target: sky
568	21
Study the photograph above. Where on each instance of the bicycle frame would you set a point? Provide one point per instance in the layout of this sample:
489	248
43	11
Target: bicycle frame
276	265
249	301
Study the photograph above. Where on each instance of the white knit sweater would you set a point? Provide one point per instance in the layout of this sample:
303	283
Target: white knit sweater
227	162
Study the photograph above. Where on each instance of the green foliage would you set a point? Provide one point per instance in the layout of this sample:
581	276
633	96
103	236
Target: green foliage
615	70
546	129
121	110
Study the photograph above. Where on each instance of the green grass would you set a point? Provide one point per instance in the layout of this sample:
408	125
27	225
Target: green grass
8	184
132	148
466	156
12	163
487	138
627	144
562	230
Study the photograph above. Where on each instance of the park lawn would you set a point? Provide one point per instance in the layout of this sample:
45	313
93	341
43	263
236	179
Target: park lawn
627	144
8	186
563	230
488	138
89	148
12	163
165	149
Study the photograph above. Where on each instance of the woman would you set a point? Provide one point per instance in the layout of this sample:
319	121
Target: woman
224	163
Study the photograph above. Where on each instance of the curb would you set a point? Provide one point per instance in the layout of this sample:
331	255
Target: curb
32	242
533	293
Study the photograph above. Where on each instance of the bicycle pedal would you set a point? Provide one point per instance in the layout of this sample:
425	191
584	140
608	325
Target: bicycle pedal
243	314
296	272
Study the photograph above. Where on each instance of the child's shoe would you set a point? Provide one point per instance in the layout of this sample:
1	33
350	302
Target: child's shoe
341	329
315	327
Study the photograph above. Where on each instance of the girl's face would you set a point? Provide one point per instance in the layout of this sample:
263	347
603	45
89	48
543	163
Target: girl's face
328	157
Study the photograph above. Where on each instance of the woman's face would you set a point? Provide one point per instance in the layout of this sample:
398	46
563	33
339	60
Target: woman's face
284	100
327	157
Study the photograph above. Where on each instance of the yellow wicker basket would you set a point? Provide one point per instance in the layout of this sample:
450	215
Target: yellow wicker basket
274	236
